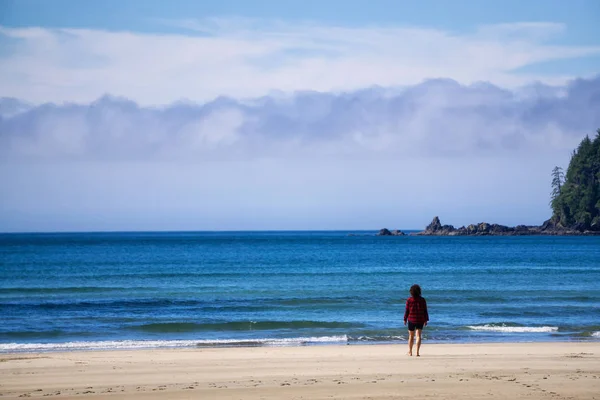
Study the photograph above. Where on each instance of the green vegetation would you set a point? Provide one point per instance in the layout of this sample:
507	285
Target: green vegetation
576	194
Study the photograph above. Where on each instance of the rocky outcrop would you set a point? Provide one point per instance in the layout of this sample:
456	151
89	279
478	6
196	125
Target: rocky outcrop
435	228
387	232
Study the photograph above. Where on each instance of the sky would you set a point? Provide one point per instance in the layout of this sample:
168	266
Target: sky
269	115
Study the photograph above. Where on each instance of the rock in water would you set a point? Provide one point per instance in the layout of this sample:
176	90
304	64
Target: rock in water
434	226
387	232
549	227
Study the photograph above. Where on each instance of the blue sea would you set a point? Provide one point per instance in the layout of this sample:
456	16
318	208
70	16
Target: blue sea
73	291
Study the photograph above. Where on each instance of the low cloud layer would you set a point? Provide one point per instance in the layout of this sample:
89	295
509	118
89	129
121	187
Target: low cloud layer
438	118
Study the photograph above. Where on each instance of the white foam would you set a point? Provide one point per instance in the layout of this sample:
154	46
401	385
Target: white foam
514	329
379	338
596	334
147	344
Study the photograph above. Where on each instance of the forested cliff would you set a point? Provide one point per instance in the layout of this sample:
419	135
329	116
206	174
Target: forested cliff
576	195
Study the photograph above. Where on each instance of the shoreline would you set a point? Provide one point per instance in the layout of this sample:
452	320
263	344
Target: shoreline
471	371
198	344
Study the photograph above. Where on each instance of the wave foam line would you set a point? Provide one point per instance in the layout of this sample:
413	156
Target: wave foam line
149	344
514	329
596	334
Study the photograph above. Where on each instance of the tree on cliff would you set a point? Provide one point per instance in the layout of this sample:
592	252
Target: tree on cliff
576	203
558	178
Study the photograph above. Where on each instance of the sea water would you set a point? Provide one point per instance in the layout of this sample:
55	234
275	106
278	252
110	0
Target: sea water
188	289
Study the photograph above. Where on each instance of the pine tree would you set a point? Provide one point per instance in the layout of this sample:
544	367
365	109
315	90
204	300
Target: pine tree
558	177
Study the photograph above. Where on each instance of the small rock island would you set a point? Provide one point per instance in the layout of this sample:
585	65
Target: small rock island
435	228
387	232
575	203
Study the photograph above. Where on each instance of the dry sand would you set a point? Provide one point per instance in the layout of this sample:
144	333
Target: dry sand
467	371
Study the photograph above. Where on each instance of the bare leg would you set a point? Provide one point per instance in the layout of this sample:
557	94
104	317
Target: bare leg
411	341
418	341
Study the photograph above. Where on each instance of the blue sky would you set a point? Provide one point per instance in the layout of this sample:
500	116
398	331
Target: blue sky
580	15
577	20
209	115
564	28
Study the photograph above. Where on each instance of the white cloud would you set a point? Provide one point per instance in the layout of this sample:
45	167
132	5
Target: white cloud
218	128
249	58
438	118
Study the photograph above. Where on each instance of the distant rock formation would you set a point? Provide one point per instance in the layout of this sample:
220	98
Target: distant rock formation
435	228
387	232
575	203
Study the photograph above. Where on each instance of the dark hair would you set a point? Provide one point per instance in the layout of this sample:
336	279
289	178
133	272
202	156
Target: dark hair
415	291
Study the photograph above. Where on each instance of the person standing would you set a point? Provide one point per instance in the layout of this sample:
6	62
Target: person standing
416	316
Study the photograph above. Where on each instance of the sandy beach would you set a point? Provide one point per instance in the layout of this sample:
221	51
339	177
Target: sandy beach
468	371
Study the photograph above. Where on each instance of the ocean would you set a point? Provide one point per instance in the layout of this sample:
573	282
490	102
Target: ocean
74	291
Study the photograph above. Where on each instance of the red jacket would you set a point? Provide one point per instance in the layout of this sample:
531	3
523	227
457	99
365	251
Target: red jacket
416	310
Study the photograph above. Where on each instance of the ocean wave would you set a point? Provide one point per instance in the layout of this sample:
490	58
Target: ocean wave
148	344
378	339
119	303
266	272
513	329
236	304
518	313
596	334
64	290
168	327
298	301
52	333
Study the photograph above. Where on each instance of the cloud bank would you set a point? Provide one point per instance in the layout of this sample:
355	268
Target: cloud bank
438	118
